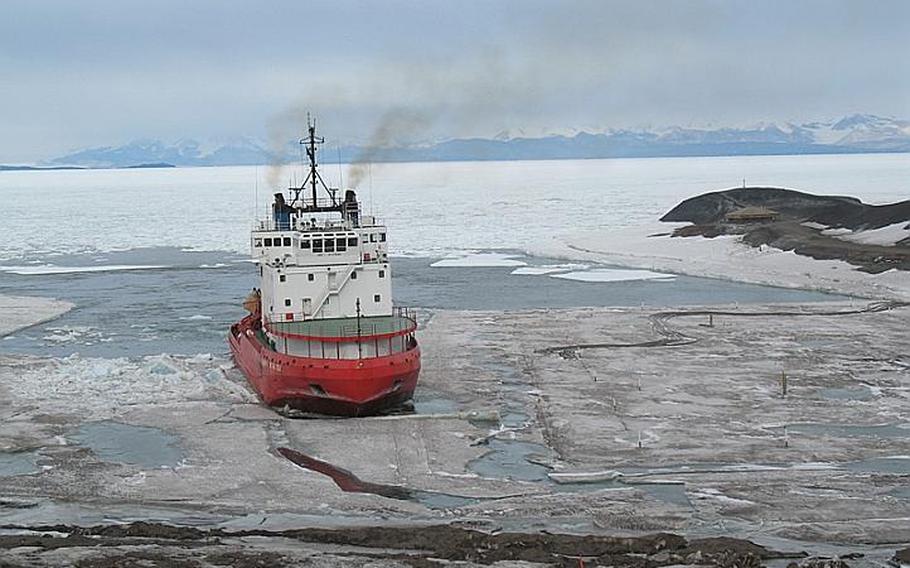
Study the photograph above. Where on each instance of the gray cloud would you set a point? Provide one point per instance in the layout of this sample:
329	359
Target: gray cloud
75	74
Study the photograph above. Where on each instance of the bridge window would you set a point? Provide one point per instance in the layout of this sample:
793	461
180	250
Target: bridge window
268	242
257	243
317	245
372	237
352	242
382	237
305	243
341	245
287	241
329	245
377	298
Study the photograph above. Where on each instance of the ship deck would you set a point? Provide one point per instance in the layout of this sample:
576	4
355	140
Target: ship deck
346	327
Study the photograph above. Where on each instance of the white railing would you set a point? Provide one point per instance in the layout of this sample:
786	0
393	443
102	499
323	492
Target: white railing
402	321
302	225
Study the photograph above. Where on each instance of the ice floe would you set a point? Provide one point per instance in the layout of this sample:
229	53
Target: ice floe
46	269
614	275
69	334
548	269
18	312
479	260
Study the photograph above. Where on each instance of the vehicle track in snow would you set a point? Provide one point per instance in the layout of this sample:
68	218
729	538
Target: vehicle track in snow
671	337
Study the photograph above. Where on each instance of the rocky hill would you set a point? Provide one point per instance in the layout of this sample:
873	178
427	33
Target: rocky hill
875	238
830	210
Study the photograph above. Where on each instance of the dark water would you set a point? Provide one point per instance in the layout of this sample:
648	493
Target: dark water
18	463
125	443
187	307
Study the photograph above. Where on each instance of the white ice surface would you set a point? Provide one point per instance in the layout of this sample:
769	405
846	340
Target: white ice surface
725	257
549	269
613	275
478	260
431	208
536	270
52	269
17	312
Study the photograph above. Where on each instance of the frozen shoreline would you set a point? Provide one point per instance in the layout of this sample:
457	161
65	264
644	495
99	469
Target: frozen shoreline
725	257
19	312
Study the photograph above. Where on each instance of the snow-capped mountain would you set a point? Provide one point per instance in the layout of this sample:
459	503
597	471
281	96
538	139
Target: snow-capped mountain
873	132
864	130
184	152
852	134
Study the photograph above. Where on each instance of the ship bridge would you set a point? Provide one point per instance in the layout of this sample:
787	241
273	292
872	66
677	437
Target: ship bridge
320	259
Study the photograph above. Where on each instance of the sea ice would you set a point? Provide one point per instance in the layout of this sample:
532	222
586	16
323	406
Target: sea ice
51	269
536	270
613	275
548	269
17	312
98	388
725	257
479	260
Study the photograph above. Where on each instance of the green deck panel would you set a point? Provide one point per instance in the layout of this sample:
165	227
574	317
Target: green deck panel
343	327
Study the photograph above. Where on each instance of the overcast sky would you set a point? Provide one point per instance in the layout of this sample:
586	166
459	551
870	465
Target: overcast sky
91	72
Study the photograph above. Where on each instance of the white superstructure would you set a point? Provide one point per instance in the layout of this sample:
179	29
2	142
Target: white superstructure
325	288
318	268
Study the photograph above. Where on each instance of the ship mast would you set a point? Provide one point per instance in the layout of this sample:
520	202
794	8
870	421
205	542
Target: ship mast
314	179
311	154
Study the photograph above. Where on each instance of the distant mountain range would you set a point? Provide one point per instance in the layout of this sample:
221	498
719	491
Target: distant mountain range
859	133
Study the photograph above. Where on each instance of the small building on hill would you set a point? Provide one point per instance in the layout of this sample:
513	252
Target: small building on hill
752	215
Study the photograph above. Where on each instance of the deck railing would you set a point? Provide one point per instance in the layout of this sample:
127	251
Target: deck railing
402	321
270	224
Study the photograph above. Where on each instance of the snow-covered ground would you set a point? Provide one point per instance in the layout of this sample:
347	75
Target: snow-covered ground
727	257
885	236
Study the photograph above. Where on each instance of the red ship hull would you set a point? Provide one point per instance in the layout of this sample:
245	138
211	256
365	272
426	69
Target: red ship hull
340	387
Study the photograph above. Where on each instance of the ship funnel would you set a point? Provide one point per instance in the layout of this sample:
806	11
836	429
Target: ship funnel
351	208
